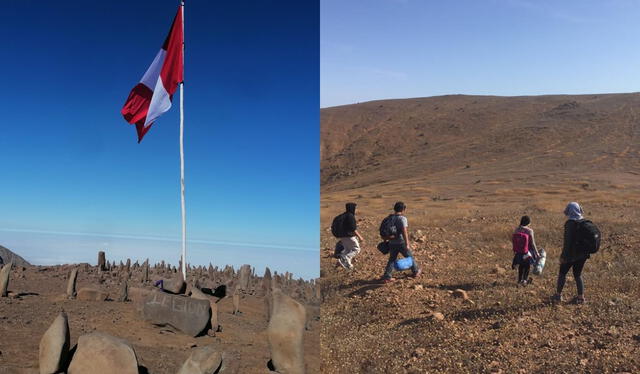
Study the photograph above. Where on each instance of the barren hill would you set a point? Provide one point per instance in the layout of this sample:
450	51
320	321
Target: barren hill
468	167
379	140
7	256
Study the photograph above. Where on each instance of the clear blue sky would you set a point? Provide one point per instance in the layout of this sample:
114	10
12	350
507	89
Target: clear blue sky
410	48
73	173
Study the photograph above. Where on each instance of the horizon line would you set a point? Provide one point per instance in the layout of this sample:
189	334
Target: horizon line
161	238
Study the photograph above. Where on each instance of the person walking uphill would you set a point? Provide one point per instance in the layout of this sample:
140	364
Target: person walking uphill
581	238
525	250
345	228
399	243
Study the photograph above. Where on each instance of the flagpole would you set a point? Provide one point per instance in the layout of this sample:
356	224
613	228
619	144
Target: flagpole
184	223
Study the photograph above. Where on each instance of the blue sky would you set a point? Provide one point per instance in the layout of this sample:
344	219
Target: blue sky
412	48
74	179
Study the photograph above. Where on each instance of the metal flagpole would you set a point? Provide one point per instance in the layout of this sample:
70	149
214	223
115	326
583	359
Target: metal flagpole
184	223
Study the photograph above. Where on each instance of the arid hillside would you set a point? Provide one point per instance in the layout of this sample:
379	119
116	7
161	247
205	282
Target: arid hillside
468	167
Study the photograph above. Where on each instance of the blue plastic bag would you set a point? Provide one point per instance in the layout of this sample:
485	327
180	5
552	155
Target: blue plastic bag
403	263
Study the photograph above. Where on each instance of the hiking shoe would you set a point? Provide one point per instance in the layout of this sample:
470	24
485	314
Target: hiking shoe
530	280
417	274
556	299
342	261
579	300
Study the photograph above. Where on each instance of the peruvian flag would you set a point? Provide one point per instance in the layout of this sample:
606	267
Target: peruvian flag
152	96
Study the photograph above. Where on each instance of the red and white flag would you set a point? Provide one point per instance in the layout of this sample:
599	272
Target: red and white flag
152	96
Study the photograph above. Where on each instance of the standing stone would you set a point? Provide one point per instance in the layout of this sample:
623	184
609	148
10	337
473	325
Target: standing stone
145	273
4	279
99	353
102	261
236	303
285	333
215	323
203	360
186	314
54	346
124	294
71	283
245	272
128	265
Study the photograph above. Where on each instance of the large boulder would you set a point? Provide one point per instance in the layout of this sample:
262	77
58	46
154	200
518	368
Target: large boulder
138	296
4	279
91	294
54	346
99	353
285	333
203	360
186	314
175	285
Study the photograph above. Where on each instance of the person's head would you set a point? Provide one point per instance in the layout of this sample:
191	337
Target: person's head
573	211
351	207
399	207
525	221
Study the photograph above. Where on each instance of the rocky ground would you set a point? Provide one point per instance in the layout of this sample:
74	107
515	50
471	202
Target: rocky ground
38	297
468	167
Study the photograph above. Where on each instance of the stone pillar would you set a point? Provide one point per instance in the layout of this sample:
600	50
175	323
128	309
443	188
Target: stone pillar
71	284
4	279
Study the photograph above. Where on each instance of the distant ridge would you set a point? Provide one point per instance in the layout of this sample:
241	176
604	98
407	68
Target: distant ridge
7	256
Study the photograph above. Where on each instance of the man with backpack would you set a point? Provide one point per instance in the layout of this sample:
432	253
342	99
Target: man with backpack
344	228
394	230
581	239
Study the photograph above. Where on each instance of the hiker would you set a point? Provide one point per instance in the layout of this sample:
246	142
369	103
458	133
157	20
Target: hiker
581	238
399	243
344	228
525	250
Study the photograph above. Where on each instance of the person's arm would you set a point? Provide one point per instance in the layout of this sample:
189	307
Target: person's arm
405	233
359	236
534	248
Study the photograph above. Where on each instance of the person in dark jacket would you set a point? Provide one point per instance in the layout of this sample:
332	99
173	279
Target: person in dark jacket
350	242
572	256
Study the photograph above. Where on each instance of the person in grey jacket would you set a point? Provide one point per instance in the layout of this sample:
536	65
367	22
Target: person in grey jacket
572	257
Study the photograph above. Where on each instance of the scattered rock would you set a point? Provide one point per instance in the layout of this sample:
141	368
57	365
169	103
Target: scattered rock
99	353
460	294
91	294
203	360
54	346
437	316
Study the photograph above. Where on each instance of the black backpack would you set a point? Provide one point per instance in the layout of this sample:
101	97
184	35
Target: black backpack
388	227
588	237
337	226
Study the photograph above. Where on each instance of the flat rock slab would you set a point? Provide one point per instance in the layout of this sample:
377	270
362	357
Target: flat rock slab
91	294
100	353
186	314
54	346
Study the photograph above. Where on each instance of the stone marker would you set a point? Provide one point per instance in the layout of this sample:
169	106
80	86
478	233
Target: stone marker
186	314
203	360
145	272
54	346
215	325
124	295
92	294
99	353
71	283
285	333
175	285
245	272
236	303
4	279
101	261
